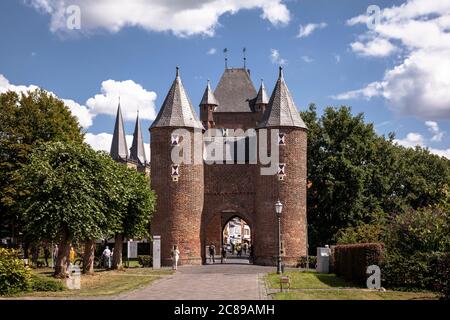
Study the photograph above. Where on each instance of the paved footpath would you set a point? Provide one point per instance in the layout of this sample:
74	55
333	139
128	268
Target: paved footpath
207	282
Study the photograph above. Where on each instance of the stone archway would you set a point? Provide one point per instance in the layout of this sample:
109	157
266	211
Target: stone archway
214	224
237	238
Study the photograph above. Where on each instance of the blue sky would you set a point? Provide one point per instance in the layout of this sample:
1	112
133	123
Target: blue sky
401	83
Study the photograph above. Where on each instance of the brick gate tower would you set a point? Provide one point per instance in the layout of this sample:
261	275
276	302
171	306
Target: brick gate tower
196	200
179	187
288	185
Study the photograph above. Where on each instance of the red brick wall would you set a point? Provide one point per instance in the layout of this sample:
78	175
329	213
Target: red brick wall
193	211
292	193
179	204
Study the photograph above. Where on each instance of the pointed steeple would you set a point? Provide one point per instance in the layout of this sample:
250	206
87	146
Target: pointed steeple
137	150
177	110
281	110
261	97
119	149
208	97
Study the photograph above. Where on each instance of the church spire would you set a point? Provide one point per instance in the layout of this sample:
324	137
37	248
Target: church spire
177	110
261	97
208	97
119	149
281	110
137	150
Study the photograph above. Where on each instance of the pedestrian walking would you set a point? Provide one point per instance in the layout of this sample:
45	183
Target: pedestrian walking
212	253
224	253
55	255
175	256
46	255
107	257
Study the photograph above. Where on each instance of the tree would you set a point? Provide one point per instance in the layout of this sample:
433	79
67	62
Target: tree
26	121
133	219
70	183
358	178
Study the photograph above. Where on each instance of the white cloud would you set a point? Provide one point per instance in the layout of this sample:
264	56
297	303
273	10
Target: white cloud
307	59
419	84
102	141
5	85
372	90
337	57
412	140
181	17
433	127
377	47
441	152
80	112
132	97
212	51
306	30
276	58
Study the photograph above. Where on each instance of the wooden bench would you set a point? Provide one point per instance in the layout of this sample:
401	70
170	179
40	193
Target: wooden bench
285	280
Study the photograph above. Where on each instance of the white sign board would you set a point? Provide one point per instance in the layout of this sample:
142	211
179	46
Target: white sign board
132	249
156	252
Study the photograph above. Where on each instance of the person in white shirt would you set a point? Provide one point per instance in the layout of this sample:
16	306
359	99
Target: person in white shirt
175	256
107	257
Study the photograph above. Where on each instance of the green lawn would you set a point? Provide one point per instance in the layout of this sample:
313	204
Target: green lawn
104	283
316	286
308	280
356	294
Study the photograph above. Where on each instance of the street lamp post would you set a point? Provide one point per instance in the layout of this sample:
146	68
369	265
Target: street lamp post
278	209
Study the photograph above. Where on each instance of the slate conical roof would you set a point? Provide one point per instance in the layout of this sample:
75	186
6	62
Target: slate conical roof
235	91
119	149
177	110
137	150
281	110
208	97
261	97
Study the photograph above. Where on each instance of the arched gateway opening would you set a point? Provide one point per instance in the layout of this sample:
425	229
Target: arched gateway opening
232	236
236	241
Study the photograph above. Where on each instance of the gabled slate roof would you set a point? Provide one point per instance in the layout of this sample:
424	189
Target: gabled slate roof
262	97
177	110
235	91
208	97
137	150
119	149
281	110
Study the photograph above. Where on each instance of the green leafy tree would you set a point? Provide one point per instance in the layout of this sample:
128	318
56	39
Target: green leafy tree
135	210
358	178
26	121
70	183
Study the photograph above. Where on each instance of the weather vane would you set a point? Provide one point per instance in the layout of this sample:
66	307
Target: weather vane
245	58
225	51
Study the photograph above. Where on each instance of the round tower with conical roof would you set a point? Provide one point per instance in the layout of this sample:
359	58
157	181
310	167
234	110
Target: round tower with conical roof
179	186
283	124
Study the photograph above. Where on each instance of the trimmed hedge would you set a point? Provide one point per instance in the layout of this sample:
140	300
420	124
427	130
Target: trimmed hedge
351	261
40	283
145	260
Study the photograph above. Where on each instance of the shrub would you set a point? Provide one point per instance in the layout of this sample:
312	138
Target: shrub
410	271
145	260
40	283
302	262
14	276
364	233
443	273
351	261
